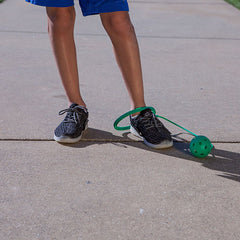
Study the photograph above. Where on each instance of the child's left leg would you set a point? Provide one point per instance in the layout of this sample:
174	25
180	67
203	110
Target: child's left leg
121	32
123	37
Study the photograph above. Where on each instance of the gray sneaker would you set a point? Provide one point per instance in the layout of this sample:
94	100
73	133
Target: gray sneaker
148	127
70	130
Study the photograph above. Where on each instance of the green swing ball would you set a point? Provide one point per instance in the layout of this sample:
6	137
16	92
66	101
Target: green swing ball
200	146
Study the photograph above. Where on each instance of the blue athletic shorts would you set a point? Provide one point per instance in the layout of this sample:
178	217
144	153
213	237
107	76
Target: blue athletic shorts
89	7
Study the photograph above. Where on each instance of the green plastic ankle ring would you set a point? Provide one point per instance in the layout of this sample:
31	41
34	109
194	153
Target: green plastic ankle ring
200	146
118	120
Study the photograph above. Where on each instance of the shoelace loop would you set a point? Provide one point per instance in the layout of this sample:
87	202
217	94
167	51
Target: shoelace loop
73	115
150	121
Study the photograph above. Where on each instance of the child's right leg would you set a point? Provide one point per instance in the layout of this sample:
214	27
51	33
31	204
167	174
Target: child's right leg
60	28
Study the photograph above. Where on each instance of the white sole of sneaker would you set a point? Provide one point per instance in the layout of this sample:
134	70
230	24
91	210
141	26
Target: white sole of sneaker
66	139
162	145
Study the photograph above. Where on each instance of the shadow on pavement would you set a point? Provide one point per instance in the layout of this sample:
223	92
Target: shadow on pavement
225	161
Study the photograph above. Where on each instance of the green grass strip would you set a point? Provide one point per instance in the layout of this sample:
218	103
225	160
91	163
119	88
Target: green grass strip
1	1
235	3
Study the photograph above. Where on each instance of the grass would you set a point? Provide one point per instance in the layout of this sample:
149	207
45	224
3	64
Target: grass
235	3
1	1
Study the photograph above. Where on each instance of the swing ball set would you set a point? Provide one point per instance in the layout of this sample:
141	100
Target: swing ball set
200	146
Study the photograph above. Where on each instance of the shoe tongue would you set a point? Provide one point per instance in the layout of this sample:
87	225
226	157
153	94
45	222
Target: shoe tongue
73	105
146	112
81	108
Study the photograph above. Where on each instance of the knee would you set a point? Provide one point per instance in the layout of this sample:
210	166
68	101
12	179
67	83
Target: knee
119	24
60	19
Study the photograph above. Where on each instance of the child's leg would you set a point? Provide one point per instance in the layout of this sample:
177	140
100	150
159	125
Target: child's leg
123	37
60	27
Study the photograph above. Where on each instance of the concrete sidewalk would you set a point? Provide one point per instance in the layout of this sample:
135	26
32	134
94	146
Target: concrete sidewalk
108	186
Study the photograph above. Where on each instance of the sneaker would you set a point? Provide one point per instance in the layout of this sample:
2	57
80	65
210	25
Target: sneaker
148	127
70	130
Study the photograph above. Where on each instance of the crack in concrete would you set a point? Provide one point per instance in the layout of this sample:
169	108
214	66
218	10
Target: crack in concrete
138	35
95	140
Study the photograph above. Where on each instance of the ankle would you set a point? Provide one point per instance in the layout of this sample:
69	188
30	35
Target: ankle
137	106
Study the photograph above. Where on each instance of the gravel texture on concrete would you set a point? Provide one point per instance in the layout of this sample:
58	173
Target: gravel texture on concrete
105	191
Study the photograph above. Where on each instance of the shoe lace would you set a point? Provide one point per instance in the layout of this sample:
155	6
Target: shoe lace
72	115
150	121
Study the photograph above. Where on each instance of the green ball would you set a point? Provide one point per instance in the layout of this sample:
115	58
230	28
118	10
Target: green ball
200	146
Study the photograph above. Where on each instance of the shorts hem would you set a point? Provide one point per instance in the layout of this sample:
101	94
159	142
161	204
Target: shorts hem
109	8
46	4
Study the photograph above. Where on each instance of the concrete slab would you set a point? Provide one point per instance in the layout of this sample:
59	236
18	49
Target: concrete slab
188	49
192	82
99	190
